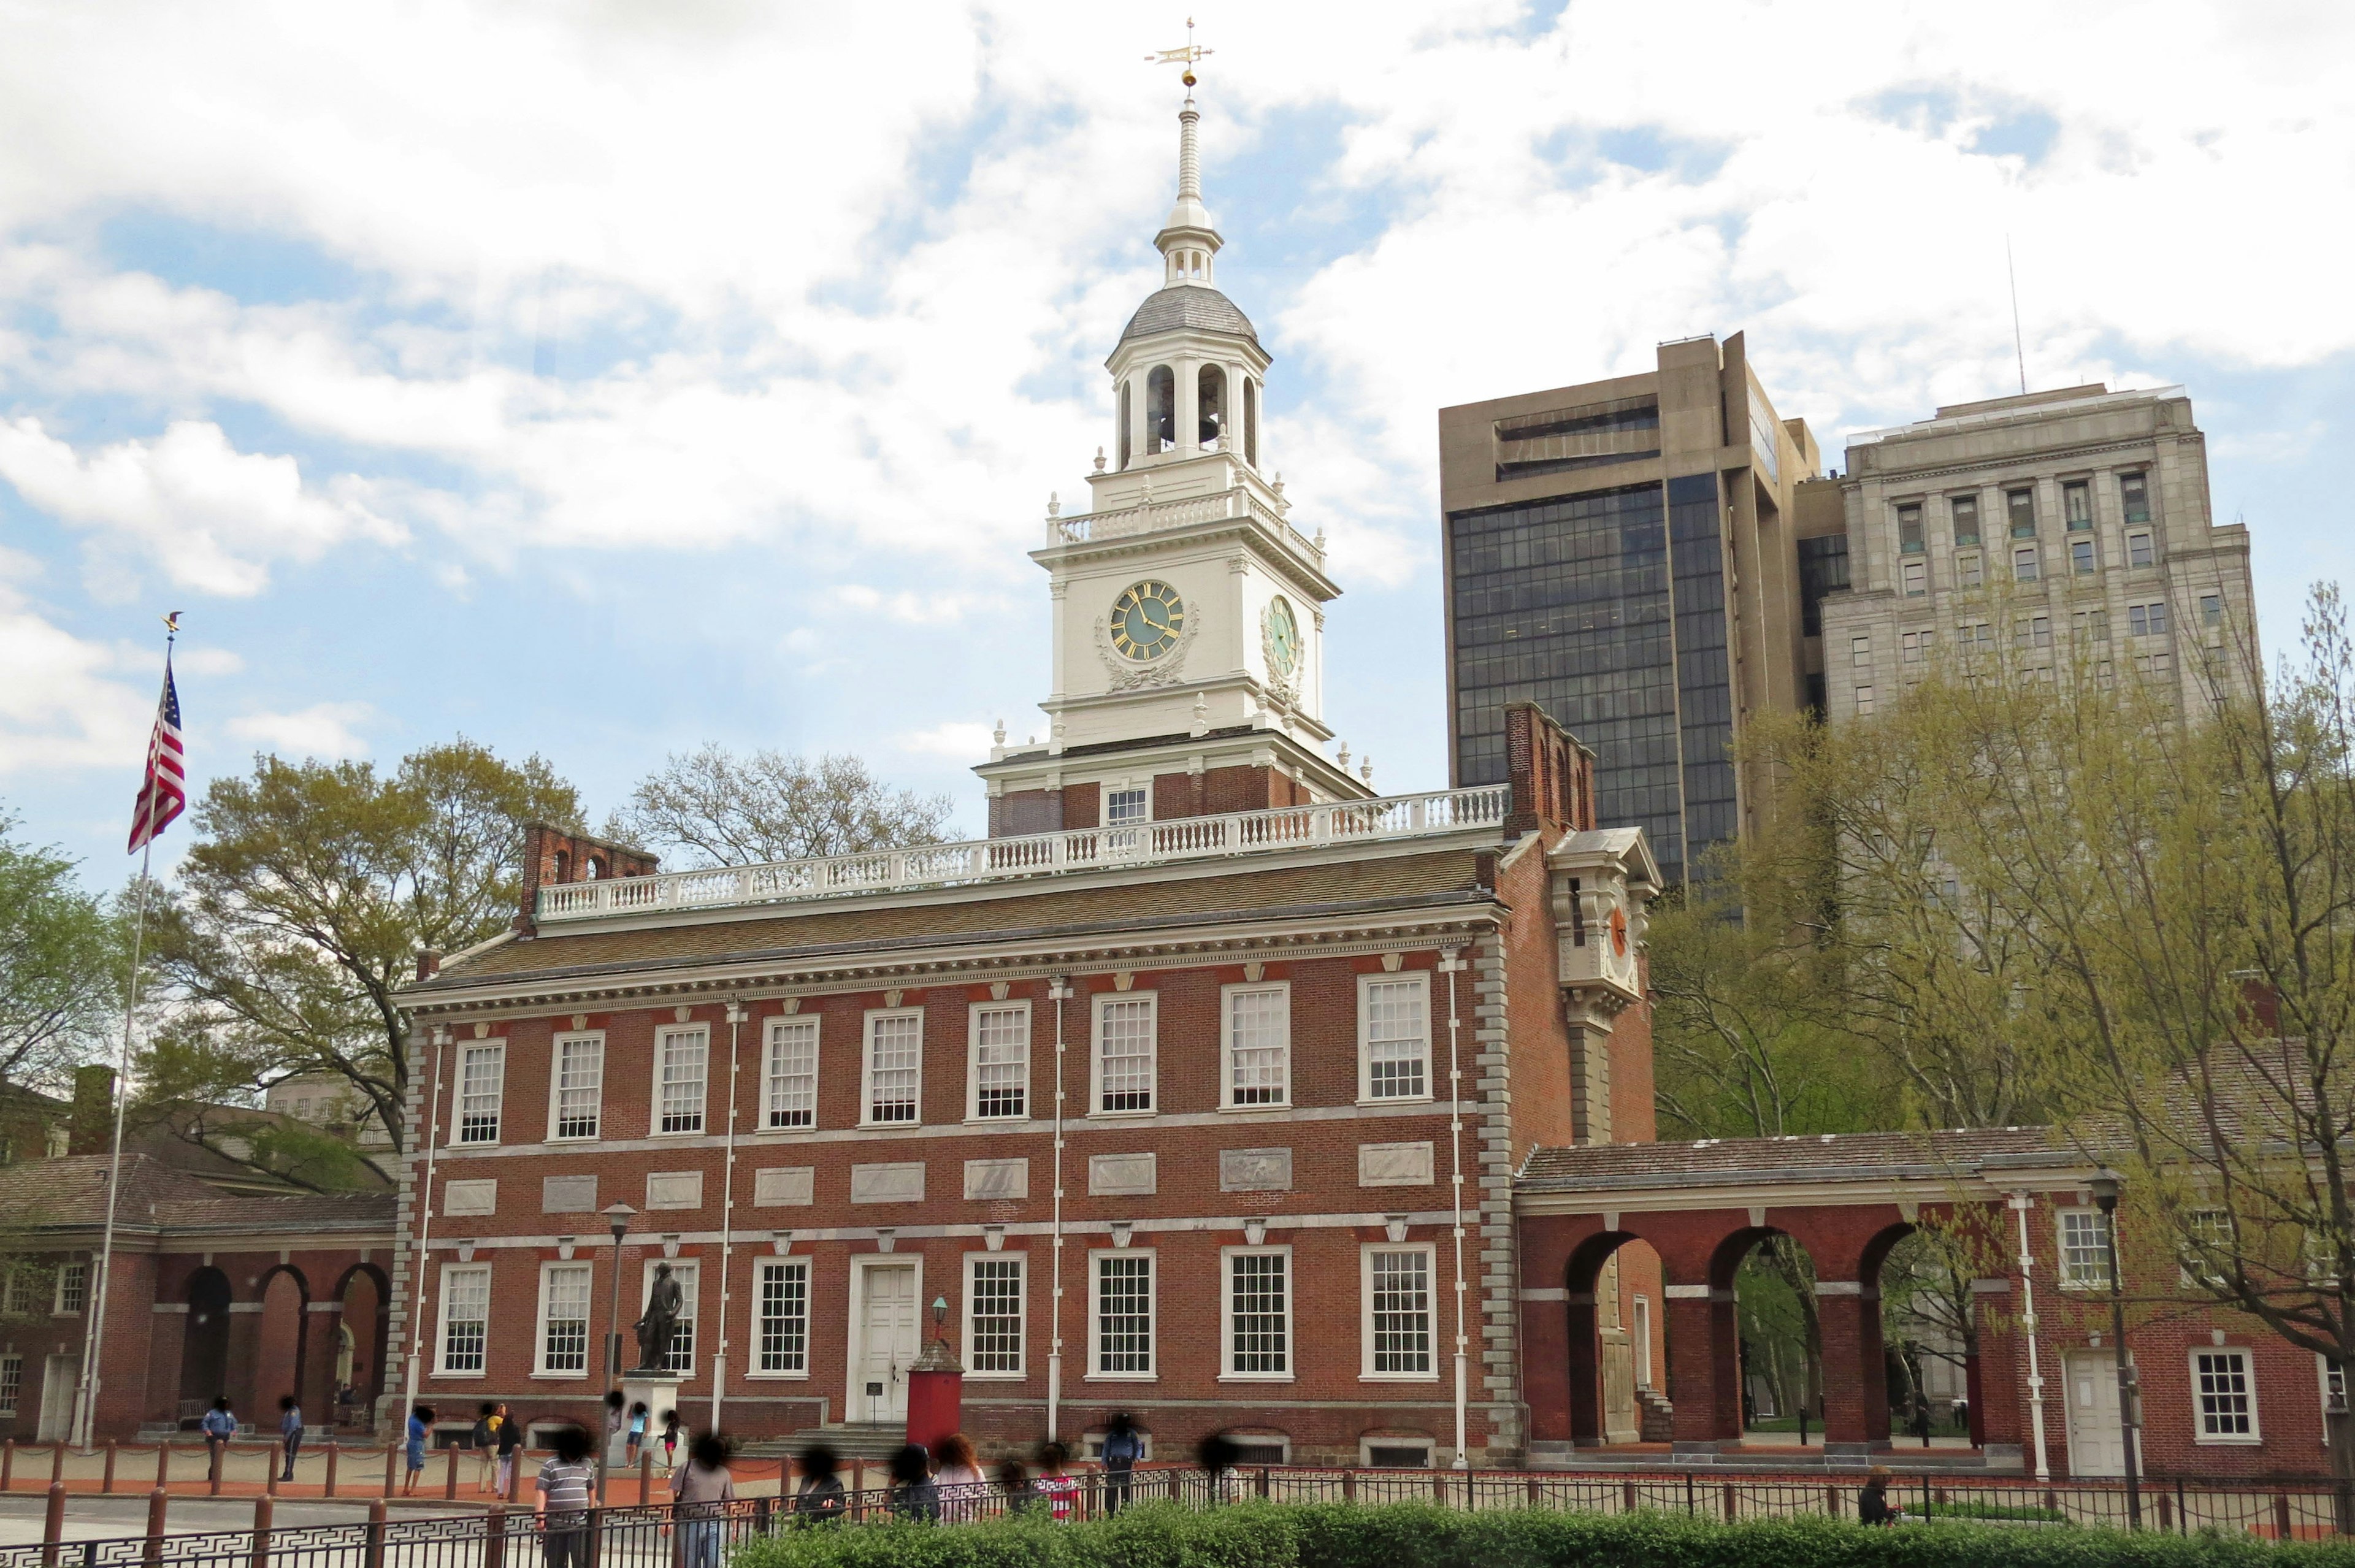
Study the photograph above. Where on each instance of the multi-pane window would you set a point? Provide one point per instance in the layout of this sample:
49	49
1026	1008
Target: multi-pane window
1915	576
1394	1024
2224	1396
564	1317
1124	1041
681	1357
1915	648
21	1291
1966	511
895	1066
1970	571
2211	609
2025	567
482	1076
1859	653
1259	1044
1124	807
682	1067
2034	632
2077	506
2207	1246
466	1317
2090	626
1258	1313
2146	620
2133	495
73	1287
1001	1058
1398	1312
2019	506
994	1301
2085	1249
1123	1314
1864	702
2138	550
2081	557
789	1087
11	1383
580	1085
1909	528
781	1302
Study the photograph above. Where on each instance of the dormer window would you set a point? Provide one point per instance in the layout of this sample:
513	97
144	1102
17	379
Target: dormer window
1160	410
1210	407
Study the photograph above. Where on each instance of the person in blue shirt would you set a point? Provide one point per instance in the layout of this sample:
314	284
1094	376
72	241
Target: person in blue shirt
218	1427
1124	1446
290	1432
421	1422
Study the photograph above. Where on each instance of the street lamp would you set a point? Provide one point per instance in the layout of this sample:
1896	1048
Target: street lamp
618	1219
940	1317
2105	1198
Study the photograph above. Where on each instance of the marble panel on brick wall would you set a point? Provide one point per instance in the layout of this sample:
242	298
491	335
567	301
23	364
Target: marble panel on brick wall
996	1178
1123	1175
888	1183
782	1185
674	1189
1254	1170
470	1197
1394	1164
567	1195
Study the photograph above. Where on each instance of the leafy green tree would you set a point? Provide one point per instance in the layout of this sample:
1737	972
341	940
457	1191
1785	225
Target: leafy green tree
302	906
64	961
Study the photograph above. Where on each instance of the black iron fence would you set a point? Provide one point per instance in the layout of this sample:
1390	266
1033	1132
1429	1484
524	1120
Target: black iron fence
700	1535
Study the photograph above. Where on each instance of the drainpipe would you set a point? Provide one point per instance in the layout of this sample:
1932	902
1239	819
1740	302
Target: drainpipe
2021	1204
1451	963
727	1214
1059	991
425	1216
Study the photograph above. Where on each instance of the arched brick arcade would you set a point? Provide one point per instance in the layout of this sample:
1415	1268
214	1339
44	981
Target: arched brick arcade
1702	1208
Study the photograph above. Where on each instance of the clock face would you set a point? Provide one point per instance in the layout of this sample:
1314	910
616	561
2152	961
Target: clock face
1283	638
1145	621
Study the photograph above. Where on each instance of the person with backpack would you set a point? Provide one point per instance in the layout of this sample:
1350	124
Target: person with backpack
290	1432
480	1438
510	1439
567	1490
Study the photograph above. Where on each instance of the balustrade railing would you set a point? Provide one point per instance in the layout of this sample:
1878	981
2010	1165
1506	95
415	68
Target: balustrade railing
1439	813
1152	517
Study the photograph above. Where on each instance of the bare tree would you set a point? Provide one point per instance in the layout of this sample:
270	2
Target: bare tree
728	810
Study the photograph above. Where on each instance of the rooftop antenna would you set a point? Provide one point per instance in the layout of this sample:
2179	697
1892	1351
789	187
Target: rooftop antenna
2018	348
1186	57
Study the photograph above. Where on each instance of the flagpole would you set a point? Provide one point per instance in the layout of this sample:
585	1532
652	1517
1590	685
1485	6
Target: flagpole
94	1334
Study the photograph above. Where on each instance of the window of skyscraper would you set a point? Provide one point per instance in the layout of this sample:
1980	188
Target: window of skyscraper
1823	569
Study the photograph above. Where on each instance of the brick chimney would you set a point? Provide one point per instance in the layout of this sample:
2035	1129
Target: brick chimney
552	856
1552	774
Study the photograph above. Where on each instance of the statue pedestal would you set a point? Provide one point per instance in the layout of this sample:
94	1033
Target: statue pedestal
659	1392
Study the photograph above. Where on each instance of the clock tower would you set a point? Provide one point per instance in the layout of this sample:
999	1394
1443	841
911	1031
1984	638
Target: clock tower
1189	609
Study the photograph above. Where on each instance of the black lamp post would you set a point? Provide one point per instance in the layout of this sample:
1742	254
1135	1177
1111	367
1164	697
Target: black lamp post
618	1218
2105	1198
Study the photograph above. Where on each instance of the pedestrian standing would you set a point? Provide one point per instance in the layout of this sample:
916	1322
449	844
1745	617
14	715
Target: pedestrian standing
290	1432
218	1427
819	1499
482	1438
1059	1490
700	1491
913	1496
962	1485
637	1438
567	1490
510	1439
420	1423
1124	1446
670	1440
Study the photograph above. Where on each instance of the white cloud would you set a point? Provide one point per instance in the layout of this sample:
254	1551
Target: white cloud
959	742
212	518
324	730
60	705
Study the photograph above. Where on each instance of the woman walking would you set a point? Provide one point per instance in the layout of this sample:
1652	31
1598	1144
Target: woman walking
700	1491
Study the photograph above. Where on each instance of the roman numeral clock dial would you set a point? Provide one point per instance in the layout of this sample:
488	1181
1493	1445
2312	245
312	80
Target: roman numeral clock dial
1145	621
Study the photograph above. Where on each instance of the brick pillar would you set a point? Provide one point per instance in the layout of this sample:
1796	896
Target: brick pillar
1839	1314
1703	1380
1996	1366
1550	1373
1584	1371
1873	1360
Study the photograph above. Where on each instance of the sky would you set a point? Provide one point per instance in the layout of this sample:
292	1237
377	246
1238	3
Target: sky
599	381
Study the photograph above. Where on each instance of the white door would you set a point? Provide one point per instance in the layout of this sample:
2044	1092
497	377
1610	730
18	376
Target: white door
886	1337
58	1377
2096	1439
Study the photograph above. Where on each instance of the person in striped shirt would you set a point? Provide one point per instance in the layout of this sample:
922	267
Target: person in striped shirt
567	1490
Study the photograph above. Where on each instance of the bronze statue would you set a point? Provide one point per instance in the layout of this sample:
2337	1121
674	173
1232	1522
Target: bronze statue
665	1301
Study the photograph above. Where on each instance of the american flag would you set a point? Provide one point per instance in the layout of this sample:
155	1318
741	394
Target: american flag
165	794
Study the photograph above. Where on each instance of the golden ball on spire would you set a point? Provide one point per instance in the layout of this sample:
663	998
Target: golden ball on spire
1187	78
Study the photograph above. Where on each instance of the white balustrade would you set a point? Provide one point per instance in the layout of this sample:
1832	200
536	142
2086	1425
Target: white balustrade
1442	813
1155	515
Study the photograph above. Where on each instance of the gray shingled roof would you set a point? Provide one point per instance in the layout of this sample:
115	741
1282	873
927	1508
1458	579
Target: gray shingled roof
1194	307
1823	1158
70	1193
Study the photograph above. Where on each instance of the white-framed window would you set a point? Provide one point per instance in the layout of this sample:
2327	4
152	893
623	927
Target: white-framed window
1394	1037
2223	1396
1256	1304
2139	549
1859	653
681	1358
682	1070
11	1383
465	1318
1640	1326
2146	620
780	1299
997	1054
1396	1454
894	1077
1256	1025
1127	1026
564	1320
1970	570
789	1081
1395	1330
1121	1313
2332	1383
2085	1249
1915	578
23	1291
2207	1246
481	1078
993	1314
1864	702
2025	565
578	1091
1126	807
72	1289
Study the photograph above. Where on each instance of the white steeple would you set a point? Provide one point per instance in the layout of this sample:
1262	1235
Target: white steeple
1188	242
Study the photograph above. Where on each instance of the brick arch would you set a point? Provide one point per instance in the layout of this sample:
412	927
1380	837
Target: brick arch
1583	1332
274	1357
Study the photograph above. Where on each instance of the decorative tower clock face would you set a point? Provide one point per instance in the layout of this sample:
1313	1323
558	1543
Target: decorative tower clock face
1283	638
1145	621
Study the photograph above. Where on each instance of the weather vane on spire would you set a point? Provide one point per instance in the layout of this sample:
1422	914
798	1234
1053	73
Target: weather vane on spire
1185	56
